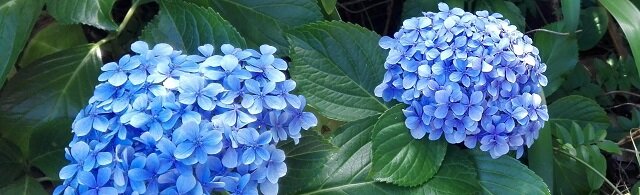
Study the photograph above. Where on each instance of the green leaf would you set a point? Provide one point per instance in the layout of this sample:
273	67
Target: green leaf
90	12
311	153
627	14
399	158
578	109
17	18
414	8
574	177
186	26
570	175
506	175
559	52
329	6
337	65
265	21
11	162
610	146
347	168
635	189
346	171
567	117
46	148
48	41
592	155
24	186
581	143
594	21
48	94
455	3
570	15
457	175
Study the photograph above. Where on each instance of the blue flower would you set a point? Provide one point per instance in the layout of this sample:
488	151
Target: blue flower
416	120
255	145
495	141
153	168
92	119
276	167
279	124
163	122
116	73
259	96
471	105
235	115
195	142
240	186
300	119
444	101
194	89
457	70
96	184
265	65
78	153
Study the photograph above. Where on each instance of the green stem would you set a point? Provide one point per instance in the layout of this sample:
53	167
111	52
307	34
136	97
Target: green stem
123	25
592	169
541	154
635	148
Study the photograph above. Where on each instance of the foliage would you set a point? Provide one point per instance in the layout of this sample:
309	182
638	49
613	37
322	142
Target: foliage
53	52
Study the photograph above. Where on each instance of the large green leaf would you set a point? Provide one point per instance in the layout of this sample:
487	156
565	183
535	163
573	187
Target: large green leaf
185	26
349	166
570	15
329	6
414	8
311	153
594	21
578	109
580	143
17	18
48	94
265	21
24	186
337	65
559	52
627	14
46	148
11	162
564	111
48	41
91	12
506	175
399	158
346	171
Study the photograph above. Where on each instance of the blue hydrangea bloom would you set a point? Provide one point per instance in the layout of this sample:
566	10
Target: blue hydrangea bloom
473	78
162	122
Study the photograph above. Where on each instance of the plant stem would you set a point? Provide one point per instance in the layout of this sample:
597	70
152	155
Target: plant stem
590	167
550	31
122	25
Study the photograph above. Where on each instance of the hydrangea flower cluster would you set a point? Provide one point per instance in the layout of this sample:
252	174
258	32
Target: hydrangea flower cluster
162	122
472	78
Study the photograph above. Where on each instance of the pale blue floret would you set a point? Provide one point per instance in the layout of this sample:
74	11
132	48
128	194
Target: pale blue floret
161	122
470	77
